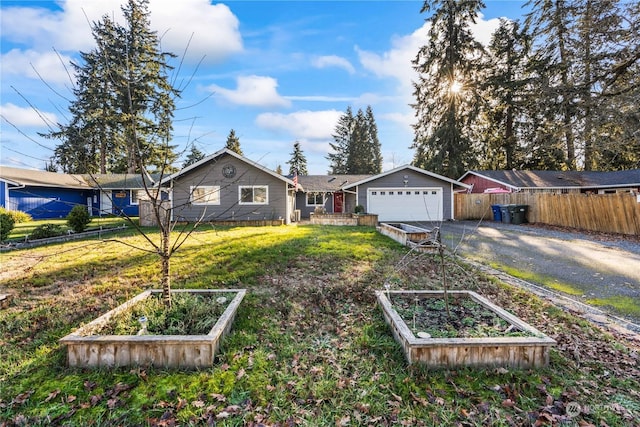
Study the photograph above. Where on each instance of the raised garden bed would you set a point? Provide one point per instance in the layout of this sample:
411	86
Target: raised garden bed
87	349
502	339
410	235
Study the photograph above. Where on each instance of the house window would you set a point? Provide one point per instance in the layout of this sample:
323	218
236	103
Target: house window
315	199
254	195
205	195
134	197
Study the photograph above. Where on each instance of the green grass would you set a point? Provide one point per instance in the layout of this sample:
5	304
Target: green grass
23	229
540	279
620	303
308	347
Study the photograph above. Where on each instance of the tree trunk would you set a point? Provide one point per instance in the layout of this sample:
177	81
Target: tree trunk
166	267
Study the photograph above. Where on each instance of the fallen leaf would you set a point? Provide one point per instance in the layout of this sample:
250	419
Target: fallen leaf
508	403
344	421
112	403
218	397
52	395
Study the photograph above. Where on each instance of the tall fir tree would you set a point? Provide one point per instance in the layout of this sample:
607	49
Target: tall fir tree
356	145
340	145
447	92
298	161
233	142
505	93
590	47
121	117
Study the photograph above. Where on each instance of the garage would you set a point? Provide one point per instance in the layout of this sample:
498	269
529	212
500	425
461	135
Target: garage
406	204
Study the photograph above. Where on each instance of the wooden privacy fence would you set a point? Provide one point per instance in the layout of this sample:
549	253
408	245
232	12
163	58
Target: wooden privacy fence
612	213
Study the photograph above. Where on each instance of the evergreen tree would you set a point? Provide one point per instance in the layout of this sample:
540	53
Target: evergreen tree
340	146
447	90
50	166
233	143
194	156
373	143
505	97
298	161
356	146
123	108
279	170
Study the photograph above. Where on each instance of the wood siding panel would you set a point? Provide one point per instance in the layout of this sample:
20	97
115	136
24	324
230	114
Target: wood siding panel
229	207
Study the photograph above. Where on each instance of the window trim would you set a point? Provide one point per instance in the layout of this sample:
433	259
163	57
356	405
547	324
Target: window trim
137	201
316	194
253	188
215	189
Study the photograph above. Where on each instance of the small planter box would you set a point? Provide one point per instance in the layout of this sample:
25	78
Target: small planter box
410	235
174	351
521	352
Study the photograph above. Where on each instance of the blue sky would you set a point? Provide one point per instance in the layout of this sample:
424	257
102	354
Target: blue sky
276	72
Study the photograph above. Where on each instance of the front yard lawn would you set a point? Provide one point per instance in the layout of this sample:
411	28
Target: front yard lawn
309	345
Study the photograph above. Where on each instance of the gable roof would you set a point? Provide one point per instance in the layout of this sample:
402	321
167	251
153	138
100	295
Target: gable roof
327	183
518	180
410	167
217	154
38	178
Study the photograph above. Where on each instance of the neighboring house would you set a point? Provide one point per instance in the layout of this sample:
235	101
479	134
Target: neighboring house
325	192
406	193
552	181
44	195
117	194
48	195
226	186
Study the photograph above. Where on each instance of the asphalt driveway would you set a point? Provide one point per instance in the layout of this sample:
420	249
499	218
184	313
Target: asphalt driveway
601	271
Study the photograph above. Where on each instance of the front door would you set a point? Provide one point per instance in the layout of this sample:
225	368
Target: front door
338	202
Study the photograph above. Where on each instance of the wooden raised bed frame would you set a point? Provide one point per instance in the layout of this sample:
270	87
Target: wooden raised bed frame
173	351
519	352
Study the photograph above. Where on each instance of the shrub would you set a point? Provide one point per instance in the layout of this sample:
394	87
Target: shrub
6	225
359	209
78	218
18	216
47	230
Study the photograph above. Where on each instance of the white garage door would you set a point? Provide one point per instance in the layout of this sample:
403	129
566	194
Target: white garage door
405	204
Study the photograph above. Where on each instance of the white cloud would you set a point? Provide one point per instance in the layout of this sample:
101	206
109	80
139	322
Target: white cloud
215	29
49	66
483	30
396	62
333	61
19	116
256	91
301	124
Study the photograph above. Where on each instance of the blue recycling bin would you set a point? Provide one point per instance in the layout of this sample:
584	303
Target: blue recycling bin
497	215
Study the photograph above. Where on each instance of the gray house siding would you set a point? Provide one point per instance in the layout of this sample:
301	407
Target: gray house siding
229	207
414	180
305	211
